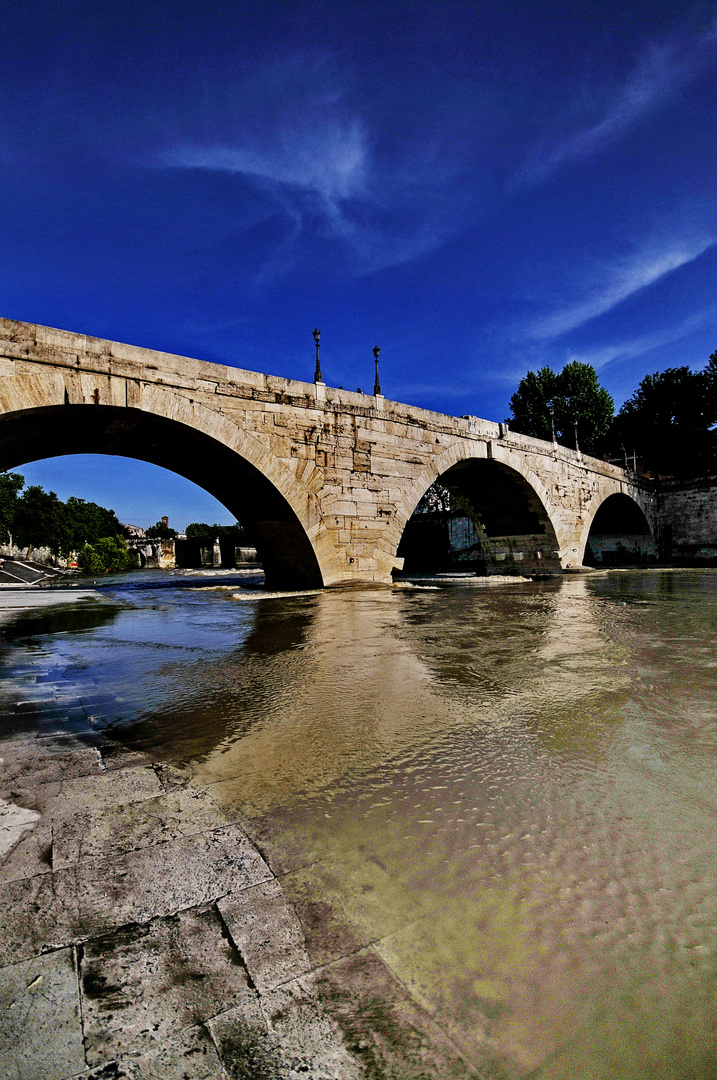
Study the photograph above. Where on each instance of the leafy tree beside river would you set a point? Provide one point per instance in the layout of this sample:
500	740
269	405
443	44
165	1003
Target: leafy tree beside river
670	419
107	555
37	518
161	531
199	530
10	486
567	405
669	423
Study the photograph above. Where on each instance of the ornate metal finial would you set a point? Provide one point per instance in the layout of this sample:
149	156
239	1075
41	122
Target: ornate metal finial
377	384
318	377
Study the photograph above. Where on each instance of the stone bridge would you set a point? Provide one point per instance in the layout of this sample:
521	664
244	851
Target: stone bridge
324	480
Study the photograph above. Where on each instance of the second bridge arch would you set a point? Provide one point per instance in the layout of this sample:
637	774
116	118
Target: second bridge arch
480	515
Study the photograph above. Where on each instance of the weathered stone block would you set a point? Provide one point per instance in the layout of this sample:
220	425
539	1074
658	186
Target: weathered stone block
268	934
179	970
37	914
40	1025
166	878
98	834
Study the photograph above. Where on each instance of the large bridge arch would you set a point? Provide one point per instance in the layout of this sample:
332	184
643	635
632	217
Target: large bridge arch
505	501
205	447
618	529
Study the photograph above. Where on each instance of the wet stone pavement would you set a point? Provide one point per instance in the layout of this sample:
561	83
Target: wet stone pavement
143	934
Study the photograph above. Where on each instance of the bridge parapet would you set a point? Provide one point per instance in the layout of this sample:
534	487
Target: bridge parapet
325	479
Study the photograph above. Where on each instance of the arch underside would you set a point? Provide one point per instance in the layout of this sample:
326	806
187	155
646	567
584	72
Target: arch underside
284	548
496	524
619	534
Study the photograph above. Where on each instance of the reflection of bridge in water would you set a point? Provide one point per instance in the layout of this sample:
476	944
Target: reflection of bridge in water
325	481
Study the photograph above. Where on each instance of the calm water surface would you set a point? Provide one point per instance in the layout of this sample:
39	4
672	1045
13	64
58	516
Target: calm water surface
510	789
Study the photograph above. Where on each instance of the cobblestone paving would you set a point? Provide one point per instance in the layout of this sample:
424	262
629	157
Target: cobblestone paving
144	936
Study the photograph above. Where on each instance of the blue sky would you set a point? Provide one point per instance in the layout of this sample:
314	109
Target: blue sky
478	188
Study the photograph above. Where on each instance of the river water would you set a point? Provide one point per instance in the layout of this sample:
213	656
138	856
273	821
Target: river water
509	789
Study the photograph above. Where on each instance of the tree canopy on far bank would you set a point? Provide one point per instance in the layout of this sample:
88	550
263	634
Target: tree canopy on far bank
11	484
200	530
161	531
108	555
668	422
572	400
37	518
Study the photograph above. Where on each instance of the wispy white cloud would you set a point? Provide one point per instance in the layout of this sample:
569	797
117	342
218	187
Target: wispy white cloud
628	349
315	158
660	72
621	282
326	157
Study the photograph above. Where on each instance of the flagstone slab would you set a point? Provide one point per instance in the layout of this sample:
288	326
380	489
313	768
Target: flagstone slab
30	854
37	914
40	1023
189	1055
109	833
27	761
268	934
310	1043
166	878
142	983
245	1046
112	787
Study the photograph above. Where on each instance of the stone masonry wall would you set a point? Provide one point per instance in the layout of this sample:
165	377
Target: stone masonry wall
687	519
351	467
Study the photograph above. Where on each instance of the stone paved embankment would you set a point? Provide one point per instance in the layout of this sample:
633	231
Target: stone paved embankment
144	936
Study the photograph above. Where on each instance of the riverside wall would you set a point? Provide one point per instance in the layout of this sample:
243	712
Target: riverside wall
687	520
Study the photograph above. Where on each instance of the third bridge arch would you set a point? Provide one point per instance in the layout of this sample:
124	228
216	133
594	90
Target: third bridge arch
327	480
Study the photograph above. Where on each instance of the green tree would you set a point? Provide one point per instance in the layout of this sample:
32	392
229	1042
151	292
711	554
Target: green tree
108	555
709	380
84	523
11	484
668	421
532	402
42	520
199	530
160	531
39	519
572	400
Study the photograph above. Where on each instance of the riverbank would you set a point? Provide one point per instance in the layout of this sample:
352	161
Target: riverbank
144	932
15	599
362	833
